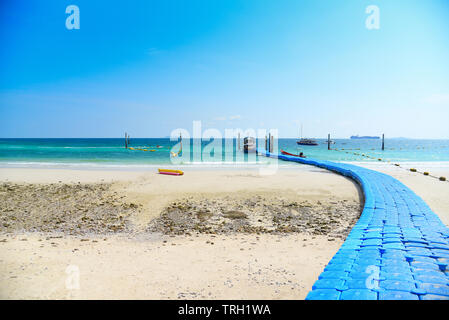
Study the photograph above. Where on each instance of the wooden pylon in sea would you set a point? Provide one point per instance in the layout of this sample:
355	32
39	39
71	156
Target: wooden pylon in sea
126	140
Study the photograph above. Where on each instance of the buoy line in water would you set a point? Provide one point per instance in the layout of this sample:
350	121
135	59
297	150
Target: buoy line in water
426	173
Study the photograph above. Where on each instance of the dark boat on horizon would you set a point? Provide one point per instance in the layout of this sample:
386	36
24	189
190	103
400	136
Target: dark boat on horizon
307	142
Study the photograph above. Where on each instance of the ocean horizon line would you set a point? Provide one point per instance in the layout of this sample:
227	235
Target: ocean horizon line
167	137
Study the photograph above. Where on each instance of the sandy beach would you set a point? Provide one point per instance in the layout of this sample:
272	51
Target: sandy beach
210	234
245	236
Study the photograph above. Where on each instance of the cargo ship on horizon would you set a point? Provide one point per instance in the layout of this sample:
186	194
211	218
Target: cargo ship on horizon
364	137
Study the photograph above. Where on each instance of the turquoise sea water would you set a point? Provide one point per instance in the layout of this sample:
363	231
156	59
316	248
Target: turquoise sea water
111	152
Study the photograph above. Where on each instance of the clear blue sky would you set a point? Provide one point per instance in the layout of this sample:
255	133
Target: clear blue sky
150	66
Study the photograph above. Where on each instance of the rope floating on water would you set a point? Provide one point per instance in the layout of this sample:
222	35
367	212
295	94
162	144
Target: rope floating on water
395	164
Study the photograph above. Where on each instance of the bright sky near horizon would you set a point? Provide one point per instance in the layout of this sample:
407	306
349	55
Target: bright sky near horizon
148	67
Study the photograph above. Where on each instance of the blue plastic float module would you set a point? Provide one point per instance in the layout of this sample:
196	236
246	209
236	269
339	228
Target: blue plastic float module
397	250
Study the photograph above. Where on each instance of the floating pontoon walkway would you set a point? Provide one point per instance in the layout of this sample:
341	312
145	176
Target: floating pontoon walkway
398	249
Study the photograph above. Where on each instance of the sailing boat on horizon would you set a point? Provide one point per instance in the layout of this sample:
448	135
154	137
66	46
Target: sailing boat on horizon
306	141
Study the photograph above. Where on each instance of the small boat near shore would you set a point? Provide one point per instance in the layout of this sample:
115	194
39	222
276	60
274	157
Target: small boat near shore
249	144
291	154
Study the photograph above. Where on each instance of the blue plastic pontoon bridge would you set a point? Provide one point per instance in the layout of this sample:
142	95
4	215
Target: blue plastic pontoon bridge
398	249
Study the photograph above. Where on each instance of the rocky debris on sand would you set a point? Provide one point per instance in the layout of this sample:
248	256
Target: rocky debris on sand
257	214
69	208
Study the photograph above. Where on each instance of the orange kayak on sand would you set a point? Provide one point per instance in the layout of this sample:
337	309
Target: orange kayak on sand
171	172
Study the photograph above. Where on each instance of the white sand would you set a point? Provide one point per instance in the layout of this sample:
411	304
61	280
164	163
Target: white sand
144	267
433	191
134	268
234	267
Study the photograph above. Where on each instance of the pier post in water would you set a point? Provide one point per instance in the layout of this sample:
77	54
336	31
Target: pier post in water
329	141
269	142
383	141
126	140
238	138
